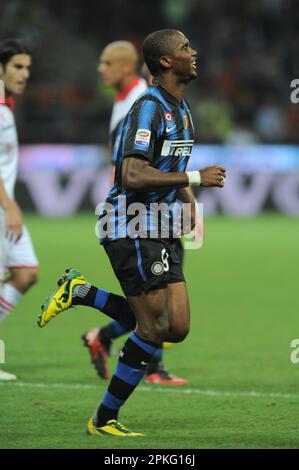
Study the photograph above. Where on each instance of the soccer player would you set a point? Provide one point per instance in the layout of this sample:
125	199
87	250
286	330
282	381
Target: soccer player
17	256
155	146
117	68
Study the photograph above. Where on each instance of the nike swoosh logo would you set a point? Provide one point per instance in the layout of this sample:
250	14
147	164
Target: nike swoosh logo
169	129
143	363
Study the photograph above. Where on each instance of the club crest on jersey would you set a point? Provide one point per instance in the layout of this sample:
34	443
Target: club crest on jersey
168	117
157	268
143	137
185	121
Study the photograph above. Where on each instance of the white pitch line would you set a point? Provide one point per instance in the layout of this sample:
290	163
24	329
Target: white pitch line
178	390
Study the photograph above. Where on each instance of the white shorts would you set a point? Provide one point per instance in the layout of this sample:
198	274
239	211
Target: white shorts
16	255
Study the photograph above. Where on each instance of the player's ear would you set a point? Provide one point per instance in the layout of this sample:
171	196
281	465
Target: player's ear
165	61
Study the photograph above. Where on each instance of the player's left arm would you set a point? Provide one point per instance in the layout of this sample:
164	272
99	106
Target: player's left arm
112	175
186	196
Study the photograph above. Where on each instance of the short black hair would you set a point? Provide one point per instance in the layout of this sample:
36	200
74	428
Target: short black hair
156	45
11	47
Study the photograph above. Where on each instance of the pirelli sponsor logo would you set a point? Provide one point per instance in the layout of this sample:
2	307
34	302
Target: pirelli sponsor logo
177	148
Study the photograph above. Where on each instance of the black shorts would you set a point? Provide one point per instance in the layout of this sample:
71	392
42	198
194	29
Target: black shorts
145	264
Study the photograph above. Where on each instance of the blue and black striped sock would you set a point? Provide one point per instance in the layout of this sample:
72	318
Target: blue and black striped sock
113	305
155	361
115	329
131	367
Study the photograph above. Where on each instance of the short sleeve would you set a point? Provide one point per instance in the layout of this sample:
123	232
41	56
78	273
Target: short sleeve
144	125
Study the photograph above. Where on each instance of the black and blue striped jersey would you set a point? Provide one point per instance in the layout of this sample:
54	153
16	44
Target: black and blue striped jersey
158	128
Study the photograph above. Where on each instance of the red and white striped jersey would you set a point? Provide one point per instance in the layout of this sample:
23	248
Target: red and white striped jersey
124	101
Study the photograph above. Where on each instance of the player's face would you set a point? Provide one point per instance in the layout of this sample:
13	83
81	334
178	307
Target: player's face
112	68
16	73
183	58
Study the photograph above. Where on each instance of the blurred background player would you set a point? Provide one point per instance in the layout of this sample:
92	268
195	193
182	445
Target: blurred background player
18	262
118	69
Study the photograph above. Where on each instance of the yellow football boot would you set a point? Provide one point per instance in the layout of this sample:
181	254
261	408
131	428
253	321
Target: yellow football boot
111	428
62	298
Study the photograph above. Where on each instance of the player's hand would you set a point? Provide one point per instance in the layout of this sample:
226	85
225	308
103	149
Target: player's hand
213	176
13	222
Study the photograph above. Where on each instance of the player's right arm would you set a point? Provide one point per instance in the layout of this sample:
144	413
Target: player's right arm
138	175
144	126
12	215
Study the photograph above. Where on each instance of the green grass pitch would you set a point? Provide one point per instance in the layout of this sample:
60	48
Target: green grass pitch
243	390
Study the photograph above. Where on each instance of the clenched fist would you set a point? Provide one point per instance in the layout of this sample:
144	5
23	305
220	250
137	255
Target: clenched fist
213	176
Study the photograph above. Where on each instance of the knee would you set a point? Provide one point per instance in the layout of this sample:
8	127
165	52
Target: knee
156	331
181	333
161	327
31	278
24	279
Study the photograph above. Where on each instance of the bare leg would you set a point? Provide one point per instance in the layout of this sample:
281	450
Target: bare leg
178	312
162	314
12	290
151	314
23	278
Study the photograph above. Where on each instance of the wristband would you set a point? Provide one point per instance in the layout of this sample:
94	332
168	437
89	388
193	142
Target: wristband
194	177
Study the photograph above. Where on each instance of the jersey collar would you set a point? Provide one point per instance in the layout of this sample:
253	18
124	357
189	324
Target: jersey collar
170	98
9	101
122	95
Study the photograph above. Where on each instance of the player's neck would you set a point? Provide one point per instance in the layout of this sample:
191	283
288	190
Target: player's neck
173	87
9	100
126	82
8	94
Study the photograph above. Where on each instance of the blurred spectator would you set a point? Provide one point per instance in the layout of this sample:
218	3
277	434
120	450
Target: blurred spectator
270	120
214	117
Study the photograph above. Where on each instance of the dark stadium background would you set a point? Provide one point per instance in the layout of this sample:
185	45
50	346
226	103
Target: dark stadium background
243	283
248	54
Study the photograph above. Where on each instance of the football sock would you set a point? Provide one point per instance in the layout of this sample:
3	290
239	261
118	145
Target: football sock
114	306
155	361
9	297
113	330
130	370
